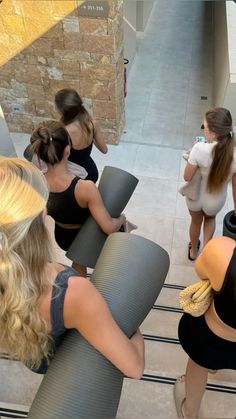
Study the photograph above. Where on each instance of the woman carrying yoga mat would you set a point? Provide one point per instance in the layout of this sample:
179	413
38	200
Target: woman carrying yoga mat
39	299
71	199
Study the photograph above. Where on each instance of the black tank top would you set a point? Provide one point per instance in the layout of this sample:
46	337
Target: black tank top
225	299
63	207
56	312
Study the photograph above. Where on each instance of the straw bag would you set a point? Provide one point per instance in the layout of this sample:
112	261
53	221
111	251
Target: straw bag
196	298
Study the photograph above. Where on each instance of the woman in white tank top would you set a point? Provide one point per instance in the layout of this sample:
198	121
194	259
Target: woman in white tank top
217	164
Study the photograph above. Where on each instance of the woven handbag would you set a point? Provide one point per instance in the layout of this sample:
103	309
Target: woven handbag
196	298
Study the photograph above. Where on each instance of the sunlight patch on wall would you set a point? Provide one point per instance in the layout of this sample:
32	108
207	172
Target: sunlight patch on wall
22	22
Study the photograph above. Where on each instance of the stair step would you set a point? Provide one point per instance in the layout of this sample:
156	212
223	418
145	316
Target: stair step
168	358
162	322
169	295
18	384
152	397
9	410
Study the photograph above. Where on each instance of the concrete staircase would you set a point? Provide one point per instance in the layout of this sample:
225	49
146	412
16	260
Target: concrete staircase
152	396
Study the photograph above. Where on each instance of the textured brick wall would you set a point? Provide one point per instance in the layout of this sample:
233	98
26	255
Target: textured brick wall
46	46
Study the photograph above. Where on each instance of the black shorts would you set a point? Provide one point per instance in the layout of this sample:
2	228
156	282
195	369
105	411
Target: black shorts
203	346
65	236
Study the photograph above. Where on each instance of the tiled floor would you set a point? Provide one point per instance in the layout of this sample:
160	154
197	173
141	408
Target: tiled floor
164	111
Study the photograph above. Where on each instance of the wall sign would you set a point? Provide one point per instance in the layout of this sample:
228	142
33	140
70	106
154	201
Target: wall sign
94	8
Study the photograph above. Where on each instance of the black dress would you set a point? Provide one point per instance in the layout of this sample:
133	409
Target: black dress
199	342
83	158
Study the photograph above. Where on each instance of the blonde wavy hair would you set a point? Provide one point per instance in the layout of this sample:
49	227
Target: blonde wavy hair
24	252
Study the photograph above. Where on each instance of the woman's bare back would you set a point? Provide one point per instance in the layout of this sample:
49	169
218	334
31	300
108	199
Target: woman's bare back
80	139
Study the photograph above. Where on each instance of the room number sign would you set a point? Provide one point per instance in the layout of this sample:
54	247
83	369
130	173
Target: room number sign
94	8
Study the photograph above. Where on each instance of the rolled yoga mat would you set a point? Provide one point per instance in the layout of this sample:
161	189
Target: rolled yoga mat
116	187
80	382
229	225
28	153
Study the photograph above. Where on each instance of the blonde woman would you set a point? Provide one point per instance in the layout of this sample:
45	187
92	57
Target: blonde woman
217	163
83	130
40	299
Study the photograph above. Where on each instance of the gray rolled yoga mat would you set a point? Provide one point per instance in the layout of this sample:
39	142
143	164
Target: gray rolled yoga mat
116	187
80	382
229	225
28	153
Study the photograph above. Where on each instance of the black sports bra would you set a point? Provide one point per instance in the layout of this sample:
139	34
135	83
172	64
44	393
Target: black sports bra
63	207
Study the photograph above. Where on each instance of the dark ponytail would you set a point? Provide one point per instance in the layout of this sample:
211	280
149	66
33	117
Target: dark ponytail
219	121
49	140
71	108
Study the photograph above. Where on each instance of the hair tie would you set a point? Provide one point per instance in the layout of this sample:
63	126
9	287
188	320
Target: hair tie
50	139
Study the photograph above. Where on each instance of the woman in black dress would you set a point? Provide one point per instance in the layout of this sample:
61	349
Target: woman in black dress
83	131
209	340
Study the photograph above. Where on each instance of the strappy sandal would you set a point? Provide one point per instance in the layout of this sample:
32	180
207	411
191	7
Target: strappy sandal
189	248
179	395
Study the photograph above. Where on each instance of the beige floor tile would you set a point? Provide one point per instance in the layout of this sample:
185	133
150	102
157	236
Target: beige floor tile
155	228
18	384
157	401
154	197
181	275
165	358
168	297
161	323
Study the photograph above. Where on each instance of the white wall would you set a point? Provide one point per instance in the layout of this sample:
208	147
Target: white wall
144	9
225	56
6	144
129	31
221	54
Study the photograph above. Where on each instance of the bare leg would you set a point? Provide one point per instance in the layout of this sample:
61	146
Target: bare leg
195	384
209	226
82	270
194	231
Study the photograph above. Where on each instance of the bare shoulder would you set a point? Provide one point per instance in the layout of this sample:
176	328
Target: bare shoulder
85	186
80	299
221	245
215	258
78	287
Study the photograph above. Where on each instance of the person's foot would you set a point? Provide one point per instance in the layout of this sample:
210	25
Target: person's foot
179	395
180	399
192	253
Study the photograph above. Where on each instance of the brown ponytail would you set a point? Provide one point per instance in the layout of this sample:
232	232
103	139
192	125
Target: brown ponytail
219	121
49	140
70	105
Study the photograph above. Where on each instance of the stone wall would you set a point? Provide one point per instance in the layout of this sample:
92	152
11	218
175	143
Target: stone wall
47	45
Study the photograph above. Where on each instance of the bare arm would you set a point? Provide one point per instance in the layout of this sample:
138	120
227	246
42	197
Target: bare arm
189	171
214	259
234	190
86	310
98	138
88	196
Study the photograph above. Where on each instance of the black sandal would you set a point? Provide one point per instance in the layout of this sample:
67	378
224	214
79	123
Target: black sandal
189	248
